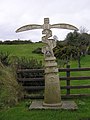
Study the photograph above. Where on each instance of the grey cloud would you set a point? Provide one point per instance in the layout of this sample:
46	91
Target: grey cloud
16	13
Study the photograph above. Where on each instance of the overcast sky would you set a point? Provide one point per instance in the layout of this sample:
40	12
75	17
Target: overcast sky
16	13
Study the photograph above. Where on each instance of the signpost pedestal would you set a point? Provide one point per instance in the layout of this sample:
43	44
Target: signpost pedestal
52	96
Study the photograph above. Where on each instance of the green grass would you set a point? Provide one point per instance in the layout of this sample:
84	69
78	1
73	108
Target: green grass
21	112
85	62
23	50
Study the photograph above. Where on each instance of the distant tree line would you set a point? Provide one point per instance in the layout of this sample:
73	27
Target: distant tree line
9	42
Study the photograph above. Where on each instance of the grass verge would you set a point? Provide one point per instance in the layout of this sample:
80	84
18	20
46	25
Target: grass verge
21	112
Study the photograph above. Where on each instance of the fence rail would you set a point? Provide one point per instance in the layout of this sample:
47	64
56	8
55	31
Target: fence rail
60	70
41	81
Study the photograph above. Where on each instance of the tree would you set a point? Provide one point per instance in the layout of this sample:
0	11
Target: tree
80	41
64	52
74	46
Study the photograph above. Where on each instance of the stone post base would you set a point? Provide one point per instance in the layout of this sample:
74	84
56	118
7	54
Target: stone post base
67	105
53	105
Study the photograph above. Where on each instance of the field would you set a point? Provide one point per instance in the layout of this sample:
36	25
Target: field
23	50
21	112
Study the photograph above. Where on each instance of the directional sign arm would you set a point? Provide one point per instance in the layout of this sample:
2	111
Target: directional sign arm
29	27
64	26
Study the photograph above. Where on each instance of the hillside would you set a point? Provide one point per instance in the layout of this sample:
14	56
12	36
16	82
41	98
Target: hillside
25	50
22	50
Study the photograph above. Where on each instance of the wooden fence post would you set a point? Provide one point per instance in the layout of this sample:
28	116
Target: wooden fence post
68	81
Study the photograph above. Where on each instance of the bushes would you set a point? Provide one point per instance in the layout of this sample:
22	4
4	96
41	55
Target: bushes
4	58
19	62
37	51
26	63
10	90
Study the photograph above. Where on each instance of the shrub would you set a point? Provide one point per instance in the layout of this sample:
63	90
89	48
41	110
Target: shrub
37	51
26	63
61	63
10	90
